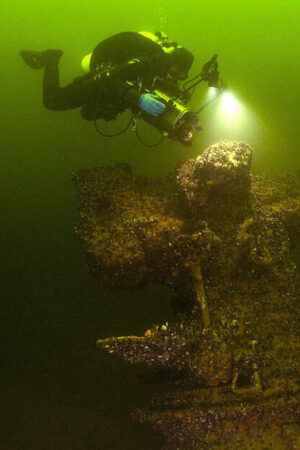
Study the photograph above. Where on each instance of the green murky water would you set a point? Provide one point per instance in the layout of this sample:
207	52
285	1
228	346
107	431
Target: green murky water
58	394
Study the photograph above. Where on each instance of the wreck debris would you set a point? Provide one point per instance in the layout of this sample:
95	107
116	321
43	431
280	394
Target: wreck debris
221	239
198	284
218	181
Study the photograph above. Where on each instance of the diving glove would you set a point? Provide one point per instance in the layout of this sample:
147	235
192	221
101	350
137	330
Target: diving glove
151	105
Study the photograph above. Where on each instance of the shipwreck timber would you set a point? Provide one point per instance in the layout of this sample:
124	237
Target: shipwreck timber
221	239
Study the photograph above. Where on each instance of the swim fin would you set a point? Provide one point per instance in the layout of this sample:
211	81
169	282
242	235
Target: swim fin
38	60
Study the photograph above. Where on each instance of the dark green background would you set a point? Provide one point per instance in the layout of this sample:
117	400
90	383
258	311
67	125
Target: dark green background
57	392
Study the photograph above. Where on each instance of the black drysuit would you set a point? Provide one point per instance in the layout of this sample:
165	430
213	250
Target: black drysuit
134	58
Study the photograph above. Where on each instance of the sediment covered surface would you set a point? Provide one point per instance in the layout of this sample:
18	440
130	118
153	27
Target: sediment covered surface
221	239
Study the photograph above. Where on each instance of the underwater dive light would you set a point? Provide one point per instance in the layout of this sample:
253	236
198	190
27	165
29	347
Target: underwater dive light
212	92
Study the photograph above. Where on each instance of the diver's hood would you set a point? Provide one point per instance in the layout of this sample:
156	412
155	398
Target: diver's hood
177	63
181	61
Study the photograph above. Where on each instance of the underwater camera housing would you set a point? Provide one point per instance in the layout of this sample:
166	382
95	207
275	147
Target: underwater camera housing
176	122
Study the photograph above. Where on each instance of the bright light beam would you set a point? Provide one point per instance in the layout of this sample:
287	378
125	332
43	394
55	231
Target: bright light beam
229	105
230	118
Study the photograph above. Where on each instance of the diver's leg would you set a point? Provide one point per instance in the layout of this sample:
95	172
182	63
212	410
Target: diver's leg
55	97
51	85
48	60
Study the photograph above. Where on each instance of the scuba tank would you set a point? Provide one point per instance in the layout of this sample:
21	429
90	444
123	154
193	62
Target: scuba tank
158	38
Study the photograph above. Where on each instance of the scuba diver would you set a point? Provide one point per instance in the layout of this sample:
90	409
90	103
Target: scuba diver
123	71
